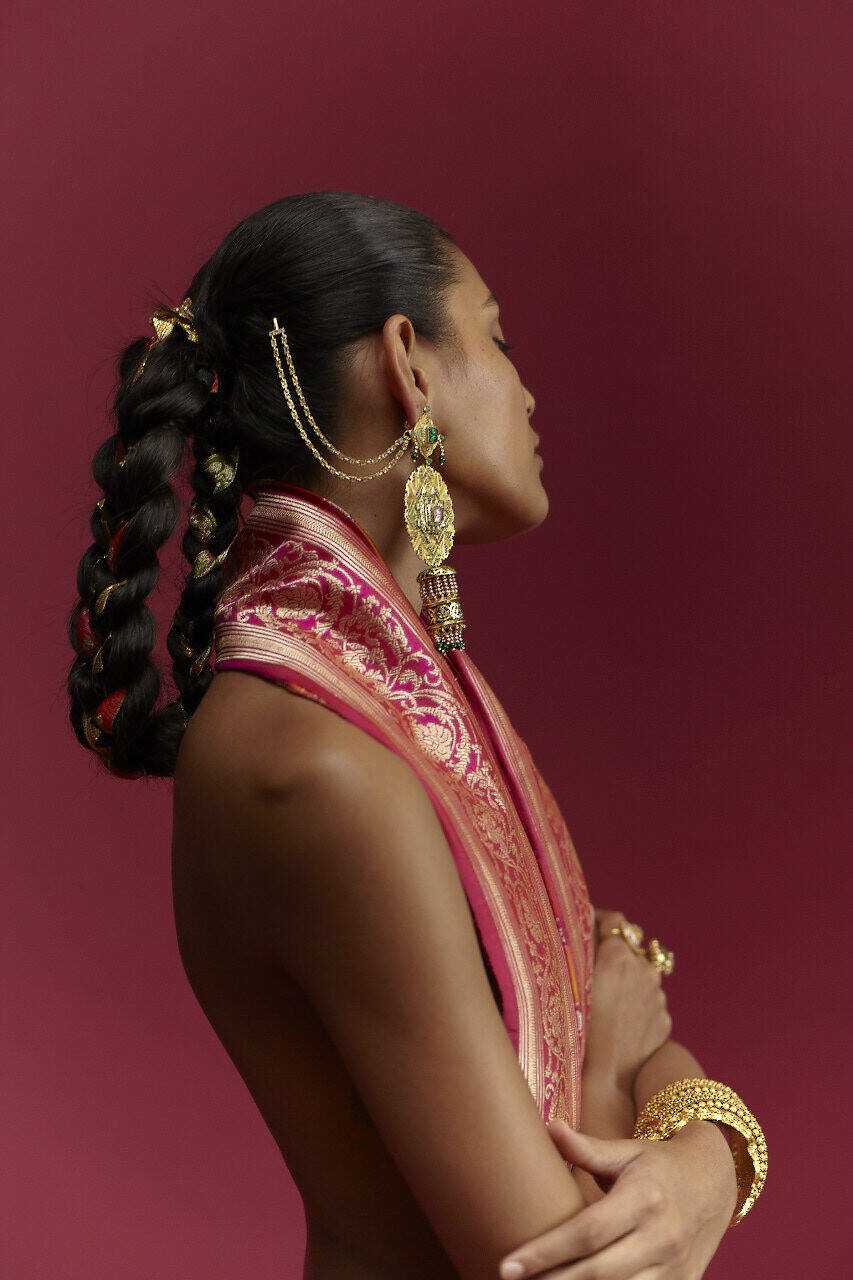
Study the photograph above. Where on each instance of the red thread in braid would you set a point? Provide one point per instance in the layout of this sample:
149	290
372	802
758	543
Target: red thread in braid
86	638
113	551
106	711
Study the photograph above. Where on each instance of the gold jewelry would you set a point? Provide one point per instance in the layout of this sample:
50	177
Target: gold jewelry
278	333
221	470
201	520
427	507
429	519
101	602
697	1098
205	561
658	956
164	320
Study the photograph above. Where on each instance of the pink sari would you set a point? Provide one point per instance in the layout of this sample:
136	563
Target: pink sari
310	604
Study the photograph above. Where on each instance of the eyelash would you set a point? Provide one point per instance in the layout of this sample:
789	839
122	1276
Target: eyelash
504	346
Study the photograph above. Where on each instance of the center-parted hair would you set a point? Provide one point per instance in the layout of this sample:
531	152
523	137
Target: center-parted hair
332	265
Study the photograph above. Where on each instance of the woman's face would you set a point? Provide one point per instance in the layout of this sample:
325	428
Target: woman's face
480	403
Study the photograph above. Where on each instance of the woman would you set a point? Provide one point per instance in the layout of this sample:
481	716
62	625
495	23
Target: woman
377	901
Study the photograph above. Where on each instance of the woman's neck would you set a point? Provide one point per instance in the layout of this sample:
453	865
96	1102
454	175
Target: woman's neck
379	512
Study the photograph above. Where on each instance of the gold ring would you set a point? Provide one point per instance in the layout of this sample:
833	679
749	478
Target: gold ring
658	956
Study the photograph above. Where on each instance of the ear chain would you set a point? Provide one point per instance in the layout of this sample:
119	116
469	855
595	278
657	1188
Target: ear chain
402	440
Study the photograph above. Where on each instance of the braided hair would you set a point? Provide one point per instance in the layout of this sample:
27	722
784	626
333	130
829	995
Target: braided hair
336	265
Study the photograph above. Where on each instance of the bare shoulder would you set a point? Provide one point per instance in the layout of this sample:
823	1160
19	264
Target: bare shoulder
269	769
251	733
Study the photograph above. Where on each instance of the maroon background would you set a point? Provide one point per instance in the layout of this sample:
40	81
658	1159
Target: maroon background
660	196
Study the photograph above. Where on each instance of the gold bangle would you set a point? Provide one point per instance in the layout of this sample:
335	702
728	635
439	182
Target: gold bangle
697	1098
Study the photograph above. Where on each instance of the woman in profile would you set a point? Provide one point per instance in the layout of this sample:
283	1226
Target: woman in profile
468	1070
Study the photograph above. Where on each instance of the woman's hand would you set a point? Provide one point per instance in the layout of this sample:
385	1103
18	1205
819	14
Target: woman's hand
666	1209
628	1017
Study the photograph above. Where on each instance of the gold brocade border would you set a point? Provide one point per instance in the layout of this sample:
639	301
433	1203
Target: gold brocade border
575	904
566	874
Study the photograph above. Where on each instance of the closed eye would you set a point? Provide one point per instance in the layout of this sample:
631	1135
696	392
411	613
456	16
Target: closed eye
504	346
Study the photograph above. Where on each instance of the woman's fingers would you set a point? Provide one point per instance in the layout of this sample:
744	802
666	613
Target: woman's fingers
604	1158
650	1250
633	1256
587	1233
648	1273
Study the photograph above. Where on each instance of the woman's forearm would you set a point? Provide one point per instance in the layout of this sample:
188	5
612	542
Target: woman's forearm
670	1062
607	1111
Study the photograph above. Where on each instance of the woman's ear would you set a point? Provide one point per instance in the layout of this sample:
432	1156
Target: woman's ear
407	381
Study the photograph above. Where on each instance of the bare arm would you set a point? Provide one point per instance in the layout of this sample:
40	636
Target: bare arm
670	1062
607	1111
360	900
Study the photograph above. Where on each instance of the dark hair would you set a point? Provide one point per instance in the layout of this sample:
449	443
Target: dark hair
332	265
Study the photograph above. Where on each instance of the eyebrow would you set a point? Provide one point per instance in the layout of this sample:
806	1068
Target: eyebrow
491	301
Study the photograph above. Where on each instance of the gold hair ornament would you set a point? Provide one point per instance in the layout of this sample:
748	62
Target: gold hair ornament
697	1098
222	470
427	506
164	320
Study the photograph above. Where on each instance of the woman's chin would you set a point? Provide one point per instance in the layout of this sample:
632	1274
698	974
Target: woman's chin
539	503
529	510
506	514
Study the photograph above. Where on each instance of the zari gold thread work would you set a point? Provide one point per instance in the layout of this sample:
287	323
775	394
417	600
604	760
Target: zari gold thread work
427	506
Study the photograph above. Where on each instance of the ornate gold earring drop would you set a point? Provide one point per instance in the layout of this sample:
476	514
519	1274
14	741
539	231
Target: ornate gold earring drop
429	519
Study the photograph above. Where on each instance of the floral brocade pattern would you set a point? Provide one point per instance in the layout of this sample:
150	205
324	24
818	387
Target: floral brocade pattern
582	913
310	603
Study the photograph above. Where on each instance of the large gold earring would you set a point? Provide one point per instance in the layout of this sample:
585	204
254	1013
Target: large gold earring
428	513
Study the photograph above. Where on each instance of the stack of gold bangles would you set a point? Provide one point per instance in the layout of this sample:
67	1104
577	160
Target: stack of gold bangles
698	1098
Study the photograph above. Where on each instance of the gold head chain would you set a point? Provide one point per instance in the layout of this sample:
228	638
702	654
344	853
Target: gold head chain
403	440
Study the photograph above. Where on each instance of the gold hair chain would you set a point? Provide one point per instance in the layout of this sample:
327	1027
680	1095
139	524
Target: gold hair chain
403	441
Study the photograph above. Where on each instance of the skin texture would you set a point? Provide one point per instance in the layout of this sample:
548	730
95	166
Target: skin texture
319	914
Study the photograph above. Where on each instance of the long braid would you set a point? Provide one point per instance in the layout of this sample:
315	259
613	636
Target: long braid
211	527
113	683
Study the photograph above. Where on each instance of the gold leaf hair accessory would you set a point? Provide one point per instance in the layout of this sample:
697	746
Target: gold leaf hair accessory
164	320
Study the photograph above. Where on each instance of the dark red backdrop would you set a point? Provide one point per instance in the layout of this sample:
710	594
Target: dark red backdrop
660	196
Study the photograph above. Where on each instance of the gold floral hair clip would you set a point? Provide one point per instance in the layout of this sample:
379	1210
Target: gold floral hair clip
164	320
